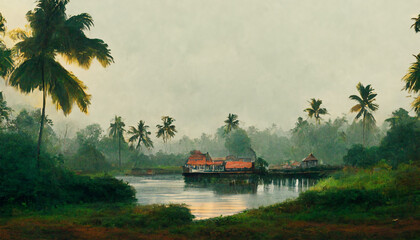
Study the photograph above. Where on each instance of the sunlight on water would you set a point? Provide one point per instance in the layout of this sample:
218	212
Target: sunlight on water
209	198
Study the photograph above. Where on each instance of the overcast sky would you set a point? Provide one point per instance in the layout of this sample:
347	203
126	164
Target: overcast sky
199	60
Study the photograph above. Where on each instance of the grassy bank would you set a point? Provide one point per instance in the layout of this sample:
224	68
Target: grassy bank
377	203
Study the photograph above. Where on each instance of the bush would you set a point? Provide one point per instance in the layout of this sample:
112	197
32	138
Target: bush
358	156
22	184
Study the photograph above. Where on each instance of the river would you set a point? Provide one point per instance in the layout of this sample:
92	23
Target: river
213	197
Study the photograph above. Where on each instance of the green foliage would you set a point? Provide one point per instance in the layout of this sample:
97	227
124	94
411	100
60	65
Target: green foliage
141	160
5	111
23	184
315	110
88	159
400	145
359	156
402	142
261	165
167	130
238	142
231	123
90	135
141	135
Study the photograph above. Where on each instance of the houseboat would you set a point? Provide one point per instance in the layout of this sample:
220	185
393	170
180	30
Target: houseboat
201	163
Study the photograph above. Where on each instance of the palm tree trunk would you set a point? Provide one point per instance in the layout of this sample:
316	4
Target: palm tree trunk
363	132
41	128
119	149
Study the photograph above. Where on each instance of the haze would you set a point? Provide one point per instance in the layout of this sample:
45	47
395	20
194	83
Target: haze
197	61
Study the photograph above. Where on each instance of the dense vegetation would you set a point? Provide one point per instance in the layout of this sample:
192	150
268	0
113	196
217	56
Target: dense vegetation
22	184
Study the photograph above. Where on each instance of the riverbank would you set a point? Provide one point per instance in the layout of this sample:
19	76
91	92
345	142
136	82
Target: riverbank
377	203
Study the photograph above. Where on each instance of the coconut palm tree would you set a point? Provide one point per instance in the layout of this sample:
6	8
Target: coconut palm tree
116	130
6	61
412	82
231	123
315	110
167	130
365	105
140	135
55	33
412	78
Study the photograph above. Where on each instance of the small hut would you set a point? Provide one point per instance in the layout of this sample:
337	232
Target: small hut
309	161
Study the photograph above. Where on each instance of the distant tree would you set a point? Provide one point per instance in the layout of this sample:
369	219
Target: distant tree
398	116
261	165
90	135
167	130
116	130
300	124
231	123
402	141
140	135
5	111
315	110
365	106
54	33
238	142
359	156
6	61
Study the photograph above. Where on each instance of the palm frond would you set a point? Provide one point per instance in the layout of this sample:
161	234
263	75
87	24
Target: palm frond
356	108
416	24
412	78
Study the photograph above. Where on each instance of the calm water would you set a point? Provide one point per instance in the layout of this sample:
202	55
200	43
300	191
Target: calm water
212	197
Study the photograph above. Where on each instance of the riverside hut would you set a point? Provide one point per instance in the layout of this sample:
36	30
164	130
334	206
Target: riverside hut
309	161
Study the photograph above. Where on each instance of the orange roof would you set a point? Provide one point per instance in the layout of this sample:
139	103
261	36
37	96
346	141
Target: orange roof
197	158
214	163
296	164
236	164
219	158
310	157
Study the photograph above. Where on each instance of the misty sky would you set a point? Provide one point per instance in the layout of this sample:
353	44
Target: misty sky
198	60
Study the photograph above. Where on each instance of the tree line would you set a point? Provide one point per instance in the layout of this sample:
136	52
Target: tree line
31	64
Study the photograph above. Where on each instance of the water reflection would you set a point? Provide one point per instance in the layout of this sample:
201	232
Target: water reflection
212	197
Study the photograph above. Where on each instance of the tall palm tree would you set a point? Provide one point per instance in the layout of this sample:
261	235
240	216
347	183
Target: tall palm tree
231	123
167	130
365	105
412	78
412	82
6	61
54	33
140	135
315	110
116	130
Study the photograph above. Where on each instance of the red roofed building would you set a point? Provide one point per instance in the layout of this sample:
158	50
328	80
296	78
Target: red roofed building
238	166
198	158
199	162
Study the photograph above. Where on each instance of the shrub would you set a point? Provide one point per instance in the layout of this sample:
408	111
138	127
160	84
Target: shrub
21	183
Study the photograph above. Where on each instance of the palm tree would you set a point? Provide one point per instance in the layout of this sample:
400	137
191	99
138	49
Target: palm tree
411	79
140	135
412	82
231	123
54	33
6	61
116	130
167	129
365	105
315	110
